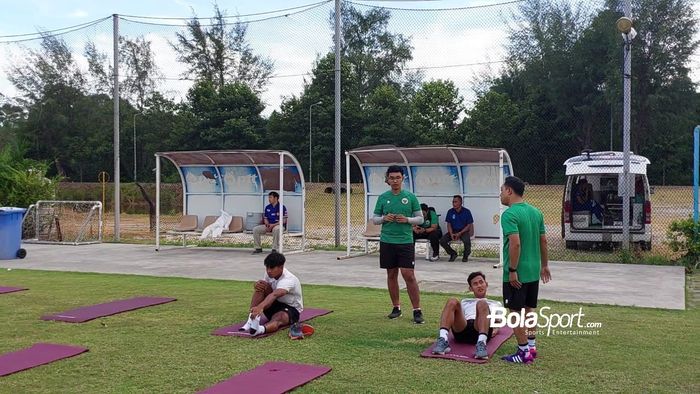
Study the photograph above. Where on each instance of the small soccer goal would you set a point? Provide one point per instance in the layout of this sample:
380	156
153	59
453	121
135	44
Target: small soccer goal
63	222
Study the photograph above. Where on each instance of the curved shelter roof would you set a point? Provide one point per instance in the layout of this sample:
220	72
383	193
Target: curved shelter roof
228	157
427	154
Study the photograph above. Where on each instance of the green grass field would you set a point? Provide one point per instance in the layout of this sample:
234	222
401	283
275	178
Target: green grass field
169	349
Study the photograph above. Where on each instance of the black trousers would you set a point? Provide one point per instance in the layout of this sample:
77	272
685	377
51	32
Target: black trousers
433	237
466	240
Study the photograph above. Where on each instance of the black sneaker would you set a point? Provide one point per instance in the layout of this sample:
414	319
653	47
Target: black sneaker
453	257
396	312
257	251
418	316
465	259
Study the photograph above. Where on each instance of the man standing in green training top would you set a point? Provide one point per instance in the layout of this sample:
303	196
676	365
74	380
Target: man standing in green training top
398	211
524	262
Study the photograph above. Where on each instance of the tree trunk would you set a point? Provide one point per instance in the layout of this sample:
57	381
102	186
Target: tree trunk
151	207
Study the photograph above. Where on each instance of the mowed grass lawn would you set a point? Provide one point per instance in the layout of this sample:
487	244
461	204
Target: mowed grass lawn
169	349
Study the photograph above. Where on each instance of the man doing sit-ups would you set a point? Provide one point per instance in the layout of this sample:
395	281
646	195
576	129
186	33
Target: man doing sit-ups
468	319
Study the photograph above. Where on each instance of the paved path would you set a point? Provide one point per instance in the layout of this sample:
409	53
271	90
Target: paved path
598	283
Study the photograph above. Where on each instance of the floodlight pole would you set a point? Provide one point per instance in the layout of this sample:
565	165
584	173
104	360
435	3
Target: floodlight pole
337	122
627	80
115	44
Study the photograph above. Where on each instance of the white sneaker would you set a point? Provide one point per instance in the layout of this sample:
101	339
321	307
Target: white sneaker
434	258
246	326
255	324
258	331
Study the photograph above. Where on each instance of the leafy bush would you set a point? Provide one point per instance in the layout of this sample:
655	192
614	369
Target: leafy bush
683	236
23	181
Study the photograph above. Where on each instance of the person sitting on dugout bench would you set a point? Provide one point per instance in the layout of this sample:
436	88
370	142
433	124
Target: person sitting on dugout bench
271	221
430	230
460	226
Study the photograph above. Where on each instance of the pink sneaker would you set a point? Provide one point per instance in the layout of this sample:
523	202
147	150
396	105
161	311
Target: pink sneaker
533	352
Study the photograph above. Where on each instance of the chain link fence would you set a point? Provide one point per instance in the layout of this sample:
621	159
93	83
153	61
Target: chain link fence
448	76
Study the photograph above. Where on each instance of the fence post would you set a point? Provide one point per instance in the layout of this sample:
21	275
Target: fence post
696	164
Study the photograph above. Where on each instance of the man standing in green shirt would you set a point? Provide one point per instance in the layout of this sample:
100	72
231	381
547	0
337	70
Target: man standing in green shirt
398	211
525	262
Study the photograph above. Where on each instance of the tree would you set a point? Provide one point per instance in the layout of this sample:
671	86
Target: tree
386	119
563	76
492	121
436	108
664	99
141	71
52	65
221	54
228	117
288	127
138	70
376	55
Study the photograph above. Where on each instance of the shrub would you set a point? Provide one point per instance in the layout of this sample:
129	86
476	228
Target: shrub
683	236
23	181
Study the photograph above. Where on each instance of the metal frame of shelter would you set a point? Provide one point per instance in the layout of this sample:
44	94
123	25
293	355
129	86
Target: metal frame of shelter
239	182
428	168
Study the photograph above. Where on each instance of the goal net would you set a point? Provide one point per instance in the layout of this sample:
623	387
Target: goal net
63	222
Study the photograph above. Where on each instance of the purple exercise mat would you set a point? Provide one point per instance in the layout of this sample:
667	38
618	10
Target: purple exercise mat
38	354
271	377
464	352
4	290
307	314
91	312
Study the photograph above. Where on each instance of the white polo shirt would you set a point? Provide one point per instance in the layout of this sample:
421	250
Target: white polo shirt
290	283
469	306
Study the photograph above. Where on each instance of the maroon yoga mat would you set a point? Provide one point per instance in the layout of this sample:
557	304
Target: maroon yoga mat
38	354
271	377
4	290
91	312
464	352
307	314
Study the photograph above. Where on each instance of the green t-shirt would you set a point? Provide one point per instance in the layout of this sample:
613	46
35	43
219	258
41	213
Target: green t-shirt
526	221
432	219
404	203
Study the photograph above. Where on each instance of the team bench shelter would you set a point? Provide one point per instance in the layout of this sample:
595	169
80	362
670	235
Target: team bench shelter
237	182
435	174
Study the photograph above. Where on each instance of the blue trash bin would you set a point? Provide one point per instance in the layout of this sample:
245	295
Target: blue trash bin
11	233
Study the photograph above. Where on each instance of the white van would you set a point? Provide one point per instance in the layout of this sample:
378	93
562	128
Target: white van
592	208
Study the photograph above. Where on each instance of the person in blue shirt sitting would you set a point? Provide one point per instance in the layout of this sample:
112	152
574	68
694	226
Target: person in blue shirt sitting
460	226
271	223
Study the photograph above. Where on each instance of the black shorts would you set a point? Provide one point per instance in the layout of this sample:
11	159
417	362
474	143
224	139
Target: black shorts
277	306
524	297
470	334
397	255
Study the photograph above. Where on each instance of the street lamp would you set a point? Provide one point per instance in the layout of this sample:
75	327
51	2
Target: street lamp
310	107
135	115
624	26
